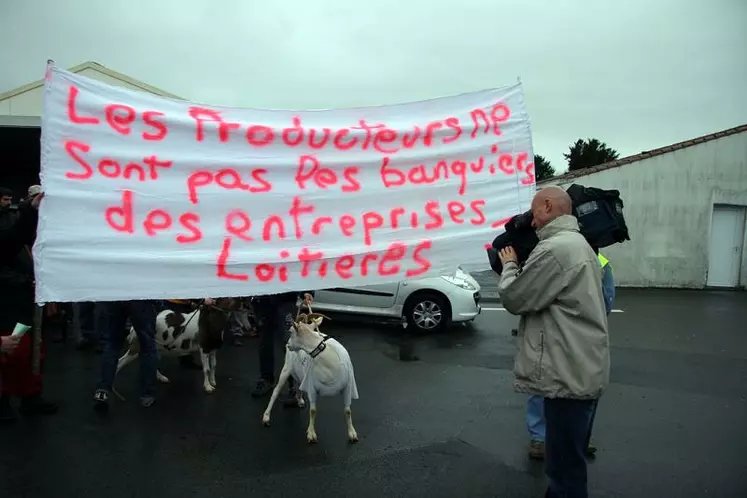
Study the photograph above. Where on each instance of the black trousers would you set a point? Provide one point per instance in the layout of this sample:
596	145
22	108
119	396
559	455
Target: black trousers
274	321
566	440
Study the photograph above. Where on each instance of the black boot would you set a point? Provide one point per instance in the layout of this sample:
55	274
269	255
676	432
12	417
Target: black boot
7	414
263	388
36	405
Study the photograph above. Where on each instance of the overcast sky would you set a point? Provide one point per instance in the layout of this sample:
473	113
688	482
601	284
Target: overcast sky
637	74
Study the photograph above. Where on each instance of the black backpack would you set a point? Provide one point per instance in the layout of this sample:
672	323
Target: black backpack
600	215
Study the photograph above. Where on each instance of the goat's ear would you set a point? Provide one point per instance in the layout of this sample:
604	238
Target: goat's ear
318	320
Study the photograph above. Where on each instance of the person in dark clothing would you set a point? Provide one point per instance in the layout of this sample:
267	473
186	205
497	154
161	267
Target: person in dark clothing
17	232
6	199
275	314
114	315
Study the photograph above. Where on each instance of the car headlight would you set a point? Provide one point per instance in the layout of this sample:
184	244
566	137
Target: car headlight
459	282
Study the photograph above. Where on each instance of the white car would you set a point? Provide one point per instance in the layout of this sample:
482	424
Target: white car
428	304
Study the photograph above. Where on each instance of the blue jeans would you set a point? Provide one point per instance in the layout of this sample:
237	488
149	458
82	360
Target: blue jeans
143	317
536	418
565	448
274	323
89	321
608	287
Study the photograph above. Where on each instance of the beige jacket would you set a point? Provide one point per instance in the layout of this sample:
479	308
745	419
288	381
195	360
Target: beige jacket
563	341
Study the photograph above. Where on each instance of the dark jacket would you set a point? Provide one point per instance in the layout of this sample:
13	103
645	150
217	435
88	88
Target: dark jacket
17	232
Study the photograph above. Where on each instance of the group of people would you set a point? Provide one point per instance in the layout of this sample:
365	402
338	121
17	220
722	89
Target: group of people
103	325
563	294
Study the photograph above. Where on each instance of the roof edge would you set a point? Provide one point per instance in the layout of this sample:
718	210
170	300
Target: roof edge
647	154
96	67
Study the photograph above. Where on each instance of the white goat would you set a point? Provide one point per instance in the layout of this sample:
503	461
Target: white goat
321	366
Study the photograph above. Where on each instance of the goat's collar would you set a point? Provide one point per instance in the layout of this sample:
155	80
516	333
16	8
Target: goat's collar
319	347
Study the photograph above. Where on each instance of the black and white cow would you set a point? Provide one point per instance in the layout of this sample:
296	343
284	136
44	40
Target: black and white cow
182	334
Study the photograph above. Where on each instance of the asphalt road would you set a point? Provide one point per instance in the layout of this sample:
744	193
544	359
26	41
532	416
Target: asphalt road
449	425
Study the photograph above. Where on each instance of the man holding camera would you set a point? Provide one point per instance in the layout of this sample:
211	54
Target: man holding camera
563	343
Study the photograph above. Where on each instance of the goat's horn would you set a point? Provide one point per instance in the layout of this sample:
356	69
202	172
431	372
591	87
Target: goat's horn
314	316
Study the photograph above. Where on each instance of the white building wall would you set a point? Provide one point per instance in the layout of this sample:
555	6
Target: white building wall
668	207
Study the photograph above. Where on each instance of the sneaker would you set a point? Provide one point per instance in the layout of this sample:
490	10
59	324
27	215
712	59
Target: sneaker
147	401
263	388
36	405
537	450
101	401
7	414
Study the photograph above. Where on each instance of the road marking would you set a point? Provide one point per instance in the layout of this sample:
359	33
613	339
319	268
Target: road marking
504	309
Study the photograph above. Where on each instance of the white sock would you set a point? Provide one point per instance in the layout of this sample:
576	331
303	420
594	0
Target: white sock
20	330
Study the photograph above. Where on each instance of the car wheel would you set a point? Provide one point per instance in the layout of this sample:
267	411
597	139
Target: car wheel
427	313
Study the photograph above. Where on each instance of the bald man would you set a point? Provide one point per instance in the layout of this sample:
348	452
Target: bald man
563	352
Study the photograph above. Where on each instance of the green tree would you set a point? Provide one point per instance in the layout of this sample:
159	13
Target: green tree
587	153
542	168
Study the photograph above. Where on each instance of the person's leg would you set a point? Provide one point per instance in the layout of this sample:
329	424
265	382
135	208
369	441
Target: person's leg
536	426
142	314
32	401
608	288
286	314
591	450
7	414
86	318
234	328
7	383
266	349
28	386
565	446
113	318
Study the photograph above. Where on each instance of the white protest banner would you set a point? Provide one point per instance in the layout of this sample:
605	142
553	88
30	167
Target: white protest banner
152	198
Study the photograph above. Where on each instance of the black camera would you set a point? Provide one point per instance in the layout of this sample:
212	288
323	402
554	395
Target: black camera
600	218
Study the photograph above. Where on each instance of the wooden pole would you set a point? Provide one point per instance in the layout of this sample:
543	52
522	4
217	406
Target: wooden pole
36	339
